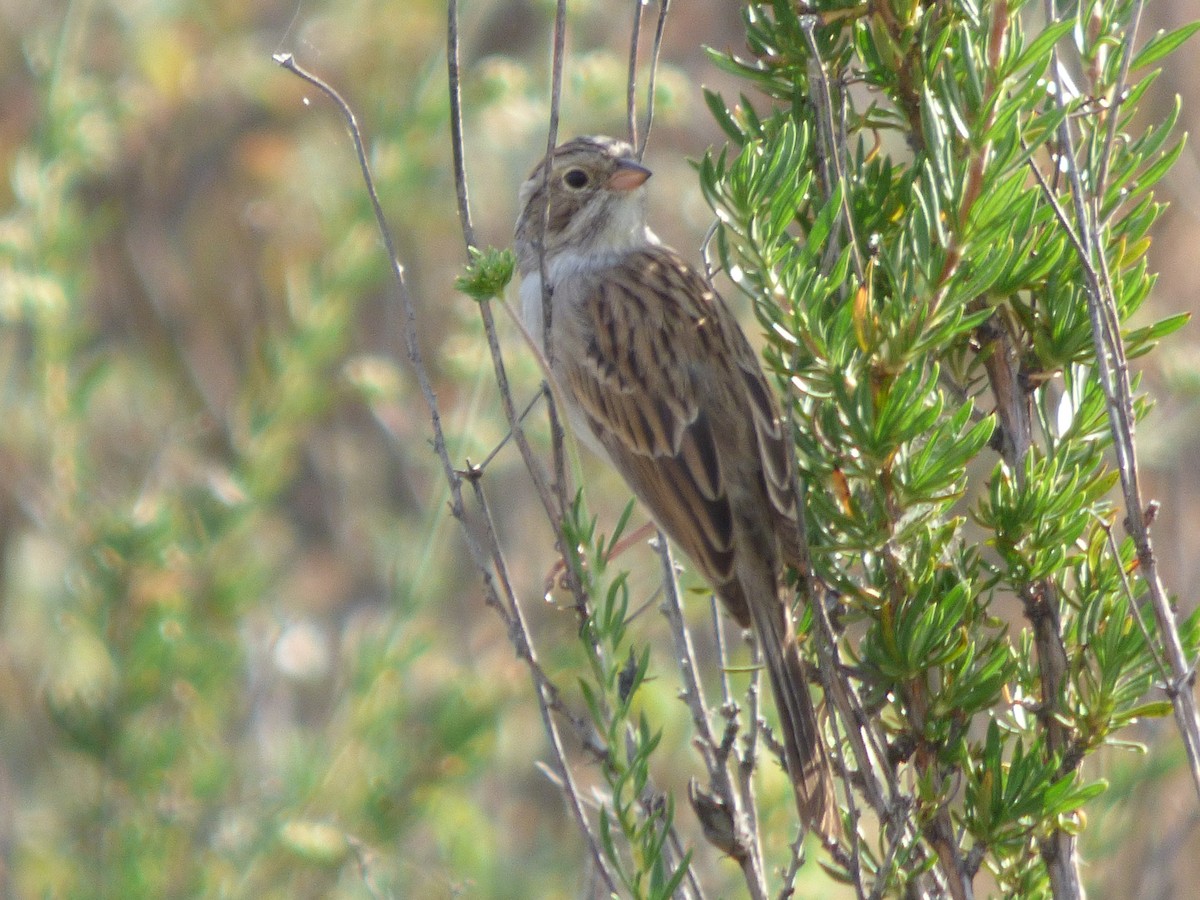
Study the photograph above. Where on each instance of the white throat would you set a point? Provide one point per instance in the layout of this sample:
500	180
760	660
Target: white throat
569	263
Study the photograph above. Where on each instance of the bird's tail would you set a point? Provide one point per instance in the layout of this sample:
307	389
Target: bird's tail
804	749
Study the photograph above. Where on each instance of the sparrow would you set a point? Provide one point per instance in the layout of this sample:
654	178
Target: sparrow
659	380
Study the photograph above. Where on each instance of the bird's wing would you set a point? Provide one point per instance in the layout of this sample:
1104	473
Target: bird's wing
664	377
671	388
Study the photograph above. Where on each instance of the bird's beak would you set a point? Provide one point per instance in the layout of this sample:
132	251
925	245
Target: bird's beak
629	175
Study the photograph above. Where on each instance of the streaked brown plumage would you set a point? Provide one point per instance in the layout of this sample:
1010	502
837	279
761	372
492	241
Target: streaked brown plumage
661	381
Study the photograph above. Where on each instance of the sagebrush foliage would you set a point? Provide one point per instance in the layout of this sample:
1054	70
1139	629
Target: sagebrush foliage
891	212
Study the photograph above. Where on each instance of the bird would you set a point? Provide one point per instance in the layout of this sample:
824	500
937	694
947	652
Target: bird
661	382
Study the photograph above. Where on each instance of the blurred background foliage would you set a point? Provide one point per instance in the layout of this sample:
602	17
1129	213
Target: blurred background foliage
241	653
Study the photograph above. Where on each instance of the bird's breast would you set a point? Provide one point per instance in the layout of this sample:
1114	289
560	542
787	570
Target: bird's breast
531	308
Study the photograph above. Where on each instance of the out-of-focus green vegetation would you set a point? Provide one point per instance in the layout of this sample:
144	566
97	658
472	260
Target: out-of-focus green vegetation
240	651
241	655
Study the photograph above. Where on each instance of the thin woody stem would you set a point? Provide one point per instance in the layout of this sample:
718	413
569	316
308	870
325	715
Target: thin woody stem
693	696
664	7
482	559
631	78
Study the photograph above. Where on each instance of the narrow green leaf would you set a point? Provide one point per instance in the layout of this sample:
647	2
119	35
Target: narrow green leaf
622	523
1155	709
1162	44
668	889
723	116
1041	45
1159	167
1158	330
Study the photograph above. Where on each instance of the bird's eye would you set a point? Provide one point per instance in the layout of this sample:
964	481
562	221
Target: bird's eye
575	178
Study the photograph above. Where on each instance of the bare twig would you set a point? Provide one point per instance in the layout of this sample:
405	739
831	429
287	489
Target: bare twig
553	500
1111	539
485	310
557	433
794	866
453	478
718	626
508	435
549	697
639	142
412	347
631	78
558	54
1118	97
664	7
833	152
456	125
749	855
731	711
